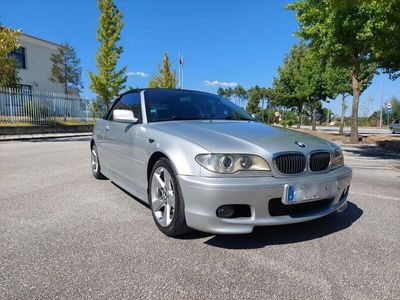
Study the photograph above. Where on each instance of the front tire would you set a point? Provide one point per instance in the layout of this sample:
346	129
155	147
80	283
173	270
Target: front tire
166	200
95	163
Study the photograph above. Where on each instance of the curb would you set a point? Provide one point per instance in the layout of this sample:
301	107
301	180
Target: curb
25	137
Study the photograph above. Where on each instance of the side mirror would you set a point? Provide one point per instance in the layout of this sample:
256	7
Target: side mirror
124	115
256	117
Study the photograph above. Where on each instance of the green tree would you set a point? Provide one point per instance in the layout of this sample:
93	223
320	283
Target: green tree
66	68
166	78
354	34
8	65
109	81
241	93
256	96
227	92
300	81
337	80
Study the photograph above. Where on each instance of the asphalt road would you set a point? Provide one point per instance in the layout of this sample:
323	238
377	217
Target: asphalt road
64	234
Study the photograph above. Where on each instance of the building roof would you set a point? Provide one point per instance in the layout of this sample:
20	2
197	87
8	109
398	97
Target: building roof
40	39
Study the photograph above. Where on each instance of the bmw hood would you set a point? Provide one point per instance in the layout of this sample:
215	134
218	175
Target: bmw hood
242	136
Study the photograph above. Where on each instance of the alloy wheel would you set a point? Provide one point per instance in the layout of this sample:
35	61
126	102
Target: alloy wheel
162	196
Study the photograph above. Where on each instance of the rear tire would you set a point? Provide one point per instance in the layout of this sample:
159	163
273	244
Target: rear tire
95	163
166	200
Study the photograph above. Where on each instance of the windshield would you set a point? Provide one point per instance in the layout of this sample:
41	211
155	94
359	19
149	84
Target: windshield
169	105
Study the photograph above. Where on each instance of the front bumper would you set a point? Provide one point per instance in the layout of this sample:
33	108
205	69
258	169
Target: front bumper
203	195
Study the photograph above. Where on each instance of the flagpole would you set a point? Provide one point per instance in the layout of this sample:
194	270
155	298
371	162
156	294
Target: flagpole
182	71
179	70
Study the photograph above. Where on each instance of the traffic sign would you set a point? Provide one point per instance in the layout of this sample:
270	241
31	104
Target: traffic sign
389	105
389	110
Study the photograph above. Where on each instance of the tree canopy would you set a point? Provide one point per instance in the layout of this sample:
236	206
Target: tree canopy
354	34
166	78
66	68
109	81
8	66
300	80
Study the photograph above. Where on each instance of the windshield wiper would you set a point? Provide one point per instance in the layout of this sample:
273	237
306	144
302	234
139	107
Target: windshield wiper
188	118
237	118
177	118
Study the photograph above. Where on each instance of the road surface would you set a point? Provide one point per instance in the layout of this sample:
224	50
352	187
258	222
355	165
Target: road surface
64	234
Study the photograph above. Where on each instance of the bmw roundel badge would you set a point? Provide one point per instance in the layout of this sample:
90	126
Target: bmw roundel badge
300	144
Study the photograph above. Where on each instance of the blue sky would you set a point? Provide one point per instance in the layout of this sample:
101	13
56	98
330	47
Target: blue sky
225	41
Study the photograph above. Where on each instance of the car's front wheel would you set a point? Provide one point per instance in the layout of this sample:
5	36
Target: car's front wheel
166	201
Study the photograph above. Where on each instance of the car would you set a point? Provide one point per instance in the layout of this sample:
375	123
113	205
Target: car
203	163
395	126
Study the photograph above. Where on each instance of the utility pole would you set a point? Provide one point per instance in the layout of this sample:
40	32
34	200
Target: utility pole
383	96
262	109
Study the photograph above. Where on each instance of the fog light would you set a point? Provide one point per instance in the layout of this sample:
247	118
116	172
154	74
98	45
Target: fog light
225	211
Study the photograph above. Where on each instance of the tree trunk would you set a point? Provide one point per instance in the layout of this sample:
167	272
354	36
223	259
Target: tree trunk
341	125
354	110
314	119
300	120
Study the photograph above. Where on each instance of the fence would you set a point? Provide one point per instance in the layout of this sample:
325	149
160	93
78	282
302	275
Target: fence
20	107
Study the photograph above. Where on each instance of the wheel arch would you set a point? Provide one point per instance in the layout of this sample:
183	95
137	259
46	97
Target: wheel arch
156	156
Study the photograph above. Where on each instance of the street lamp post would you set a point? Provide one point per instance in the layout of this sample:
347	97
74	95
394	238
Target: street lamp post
383	93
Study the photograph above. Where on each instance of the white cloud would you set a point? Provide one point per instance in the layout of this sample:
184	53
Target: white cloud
220	83
141	74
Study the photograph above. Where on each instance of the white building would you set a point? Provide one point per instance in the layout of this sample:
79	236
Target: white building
34	64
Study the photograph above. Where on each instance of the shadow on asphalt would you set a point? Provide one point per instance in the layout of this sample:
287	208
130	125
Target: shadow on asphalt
372	152
145	204
288	234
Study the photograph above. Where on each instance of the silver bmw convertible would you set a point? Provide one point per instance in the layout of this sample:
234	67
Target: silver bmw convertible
203	163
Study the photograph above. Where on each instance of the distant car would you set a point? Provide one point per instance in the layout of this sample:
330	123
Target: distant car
202	162
395	126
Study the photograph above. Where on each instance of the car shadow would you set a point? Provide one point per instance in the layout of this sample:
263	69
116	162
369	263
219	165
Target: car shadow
145	204
289	234
275	235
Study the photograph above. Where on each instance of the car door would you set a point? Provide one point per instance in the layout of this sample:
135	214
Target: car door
119	139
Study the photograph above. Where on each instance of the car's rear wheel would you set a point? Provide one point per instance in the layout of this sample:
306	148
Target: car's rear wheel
95	163
166	201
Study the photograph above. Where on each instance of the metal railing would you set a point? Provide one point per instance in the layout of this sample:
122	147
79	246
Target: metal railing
19	106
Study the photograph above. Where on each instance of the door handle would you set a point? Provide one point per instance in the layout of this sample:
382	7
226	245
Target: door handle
107	127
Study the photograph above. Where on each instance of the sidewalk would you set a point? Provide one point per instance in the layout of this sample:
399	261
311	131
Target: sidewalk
42	136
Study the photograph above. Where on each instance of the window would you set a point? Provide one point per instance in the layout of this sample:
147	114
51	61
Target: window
25	88
129	101
19	55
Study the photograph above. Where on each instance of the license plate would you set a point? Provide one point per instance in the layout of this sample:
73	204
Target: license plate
303	192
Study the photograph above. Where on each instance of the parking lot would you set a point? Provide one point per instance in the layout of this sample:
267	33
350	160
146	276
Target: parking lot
64	234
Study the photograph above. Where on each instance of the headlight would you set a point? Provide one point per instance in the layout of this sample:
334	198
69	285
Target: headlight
232	163
337	158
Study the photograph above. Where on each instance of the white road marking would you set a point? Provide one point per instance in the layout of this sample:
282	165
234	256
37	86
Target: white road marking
373	195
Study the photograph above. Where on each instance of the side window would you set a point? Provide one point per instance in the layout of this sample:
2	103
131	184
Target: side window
129	101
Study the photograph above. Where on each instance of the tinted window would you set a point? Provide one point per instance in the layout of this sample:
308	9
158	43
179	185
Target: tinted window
168	105
129	101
